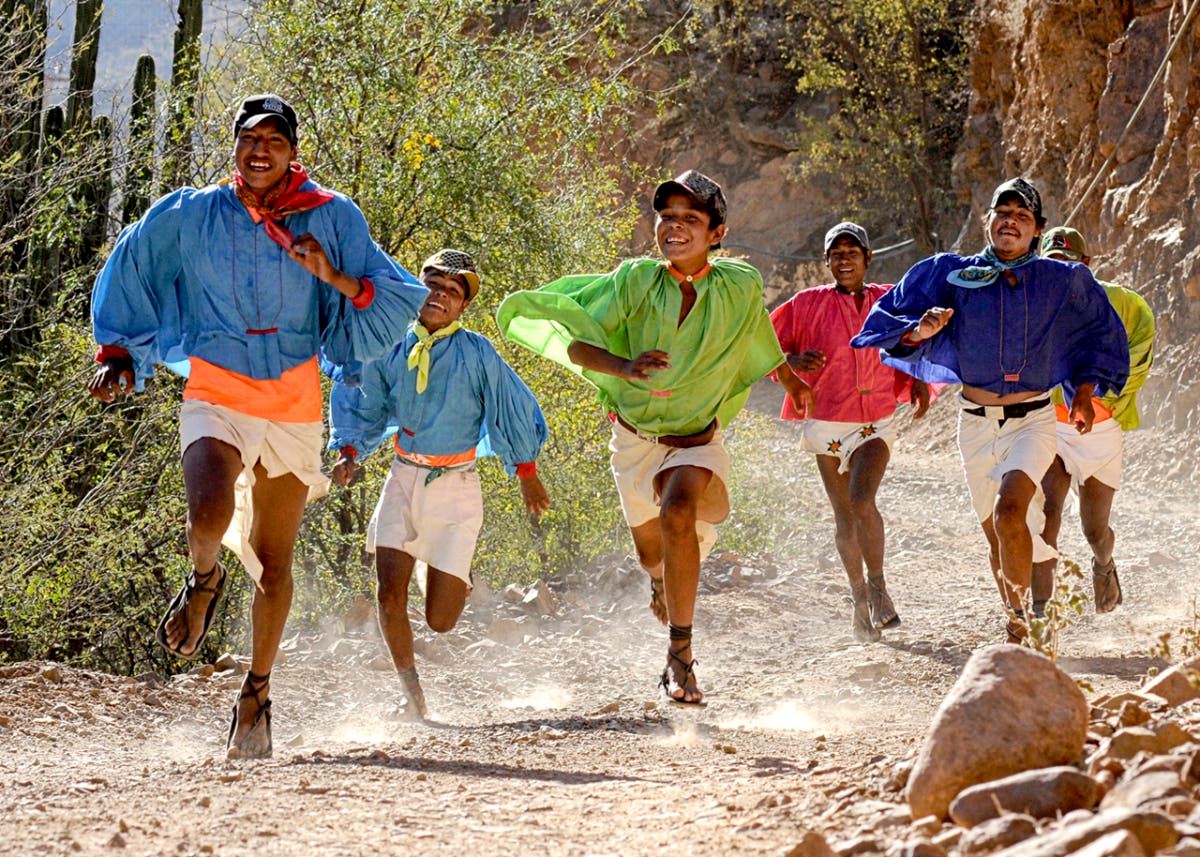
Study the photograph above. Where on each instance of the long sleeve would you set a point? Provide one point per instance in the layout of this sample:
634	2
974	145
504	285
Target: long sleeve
1101	352
135	300
1139	326
351	336
515	427
900	309
359	415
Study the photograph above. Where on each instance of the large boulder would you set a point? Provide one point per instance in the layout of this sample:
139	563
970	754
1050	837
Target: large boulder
1042	793
1011	710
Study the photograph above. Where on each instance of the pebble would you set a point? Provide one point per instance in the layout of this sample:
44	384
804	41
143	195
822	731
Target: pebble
53	674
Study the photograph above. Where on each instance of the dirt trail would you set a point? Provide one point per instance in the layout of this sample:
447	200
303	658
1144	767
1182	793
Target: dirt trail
552	738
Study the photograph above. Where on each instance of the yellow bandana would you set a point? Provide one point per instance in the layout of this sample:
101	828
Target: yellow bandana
418	358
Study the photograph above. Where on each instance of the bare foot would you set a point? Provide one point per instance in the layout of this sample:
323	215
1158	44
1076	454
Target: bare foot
250	730
185	627
883	612
679	676
412	689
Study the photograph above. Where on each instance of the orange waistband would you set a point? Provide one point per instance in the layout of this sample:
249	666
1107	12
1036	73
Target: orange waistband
435	460
293	397
1102	413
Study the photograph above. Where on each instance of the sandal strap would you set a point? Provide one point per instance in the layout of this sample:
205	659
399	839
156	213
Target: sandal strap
1107	570
197	582
253	687
689	667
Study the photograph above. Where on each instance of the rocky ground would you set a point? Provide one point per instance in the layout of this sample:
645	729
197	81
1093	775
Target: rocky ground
548	735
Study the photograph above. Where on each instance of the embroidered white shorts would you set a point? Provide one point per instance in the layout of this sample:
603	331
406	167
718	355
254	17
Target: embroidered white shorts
437	522
840	440
1095	455
281	448
636	464
990	450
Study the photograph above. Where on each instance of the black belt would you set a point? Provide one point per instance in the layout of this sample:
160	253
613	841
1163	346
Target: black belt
1008	412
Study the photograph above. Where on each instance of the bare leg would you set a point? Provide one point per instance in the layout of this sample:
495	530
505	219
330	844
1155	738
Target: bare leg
1012	532
867	466
394	570
1055	485
682	488
847	540
210	469
278	508
1095	508
648	542
445	597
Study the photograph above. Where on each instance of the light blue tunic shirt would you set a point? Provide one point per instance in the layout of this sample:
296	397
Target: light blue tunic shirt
196	276
474	400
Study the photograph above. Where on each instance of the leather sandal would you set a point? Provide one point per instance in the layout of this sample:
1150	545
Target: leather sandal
195	582
256	743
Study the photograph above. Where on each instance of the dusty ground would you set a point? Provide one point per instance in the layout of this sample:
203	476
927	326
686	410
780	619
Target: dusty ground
549	736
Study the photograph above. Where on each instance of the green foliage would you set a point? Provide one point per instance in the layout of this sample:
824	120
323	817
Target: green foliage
1065	607
885	95
488	128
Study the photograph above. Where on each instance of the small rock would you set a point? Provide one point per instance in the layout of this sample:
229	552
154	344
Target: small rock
53	674
514	594
361	614
1175	685
610	708
930	826
344	649
858	845
1143	789
918	848
117	841
1132	714
227	662
998	833
811	844
649	705
1040	794
204	801
1119	843
540	598
1154	831
983	730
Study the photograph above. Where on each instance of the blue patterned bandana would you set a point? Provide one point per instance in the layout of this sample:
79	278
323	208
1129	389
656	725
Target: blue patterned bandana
978	276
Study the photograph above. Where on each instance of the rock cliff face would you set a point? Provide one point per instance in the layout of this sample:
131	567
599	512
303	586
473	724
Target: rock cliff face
1053	86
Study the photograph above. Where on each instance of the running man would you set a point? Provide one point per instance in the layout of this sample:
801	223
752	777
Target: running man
1092	462
241	285
673	347
852	424
441	390
1008	326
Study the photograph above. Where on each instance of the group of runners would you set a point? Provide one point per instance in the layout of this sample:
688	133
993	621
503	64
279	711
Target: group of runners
252	286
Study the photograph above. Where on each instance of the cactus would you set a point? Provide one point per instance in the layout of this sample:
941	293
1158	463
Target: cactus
96	191
185	74
140	174
84	50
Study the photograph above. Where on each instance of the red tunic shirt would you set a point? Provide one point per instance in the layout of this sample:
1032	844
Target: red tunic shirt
853	386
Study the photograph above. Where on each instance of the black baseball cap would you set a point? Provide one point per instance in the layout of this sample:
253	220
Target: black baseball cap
1025	193
699	187
256	108
846	229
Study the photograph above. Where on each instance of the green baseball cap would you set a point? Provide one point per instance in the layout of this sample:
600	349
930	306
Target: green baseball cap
1066	242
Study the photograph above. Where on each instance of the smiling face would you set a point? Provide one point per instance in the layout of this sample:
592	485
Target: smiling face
1012	229
684	235
848	262
263	154
447	299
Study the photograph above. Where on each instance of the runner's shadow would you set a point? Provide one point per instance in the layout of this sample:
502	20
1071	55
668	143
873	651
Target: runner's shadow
600	723
468	768
769	766
1116	665
956	657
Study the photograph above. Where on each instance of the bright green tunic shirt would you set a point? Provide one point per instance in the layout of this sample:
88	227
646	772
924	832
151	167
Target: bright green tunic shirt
725	344
1138	319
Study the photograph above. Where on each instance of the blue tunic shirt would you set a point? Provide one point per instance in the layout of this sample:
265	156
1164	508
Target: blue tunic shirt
1055	326
195	276
474	400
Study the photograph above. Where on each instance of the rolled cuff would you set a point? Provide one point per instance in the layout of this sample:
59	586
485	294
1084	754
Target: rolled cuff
110	352
527	470
348	451
365	296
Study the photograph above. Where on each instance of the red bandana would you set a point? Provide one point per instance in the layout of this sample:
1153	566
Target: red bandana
283	199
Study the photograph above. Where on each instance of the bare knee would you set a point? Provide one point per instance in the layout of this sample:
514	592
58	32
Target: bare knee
276	578
863	508
678	517
1096	533
1009	516
210	514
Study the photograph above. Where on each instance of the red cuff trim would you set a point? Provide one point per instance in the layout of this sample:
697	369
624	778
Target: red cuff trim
906	339
110	352
349	452
365	295
527	470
